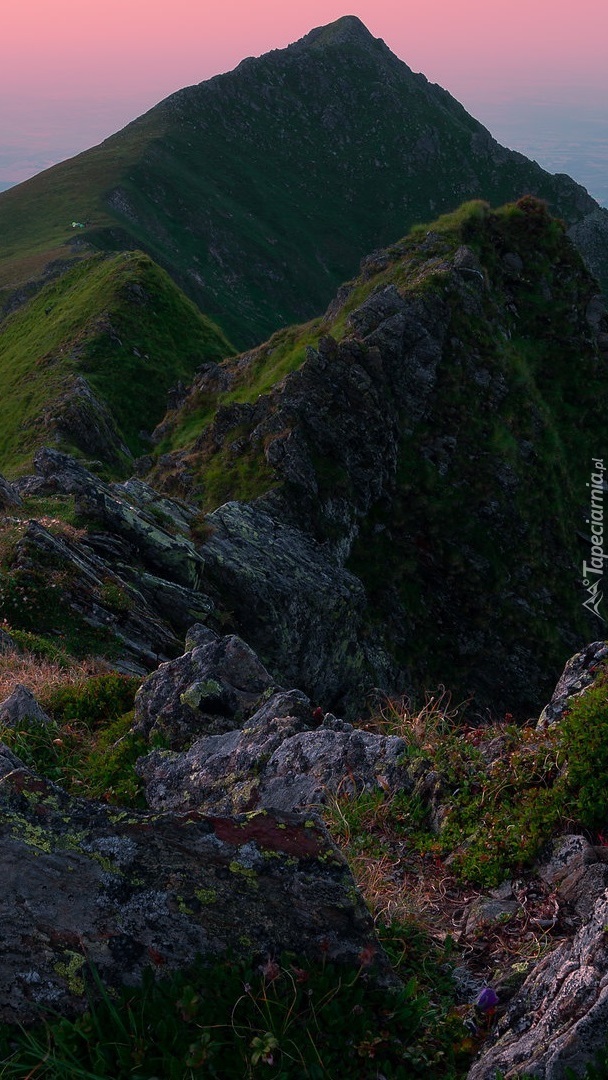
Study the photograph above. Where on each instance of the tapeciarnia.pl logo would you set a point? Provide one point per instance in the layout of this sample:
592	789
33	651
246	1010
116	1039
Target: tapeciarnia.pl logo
593	571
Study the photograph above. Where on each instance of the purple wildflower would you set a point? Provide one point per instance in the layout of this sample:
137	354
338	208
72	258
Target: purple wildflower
487	1000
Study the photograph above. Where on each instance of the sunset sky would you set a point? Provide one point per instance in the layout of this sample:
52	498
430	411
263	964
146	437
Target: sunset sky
535	72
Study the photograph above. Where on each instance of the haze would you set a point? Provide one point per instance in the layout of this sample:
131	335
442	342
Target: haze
71	73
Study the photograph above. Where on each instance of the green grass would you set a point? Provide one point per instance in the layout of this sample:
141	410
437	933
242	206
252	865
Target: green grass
89	748
119	322
234	1021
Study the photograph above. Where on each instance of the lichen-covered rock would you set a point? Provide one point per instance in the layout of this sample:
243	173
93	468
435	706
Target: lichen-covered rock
21	708
84	882
95	596
558	1020
276	761
578	675
211	688
576	871
293	600
119	508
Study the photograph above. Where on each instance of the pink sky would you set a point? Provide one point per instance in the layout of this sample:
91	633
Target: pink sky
74	71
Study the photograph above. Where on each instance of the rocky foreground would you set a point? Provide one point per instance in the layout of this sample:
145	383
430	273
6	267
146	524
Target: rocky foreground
233	855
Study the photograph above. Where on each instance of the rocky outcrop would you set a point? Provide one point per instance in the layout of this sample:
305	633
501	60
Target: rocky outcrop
81	419
558	1019
120	512
397	447
94	596
211	688
9	496
86	884
578	675
302	610
275	762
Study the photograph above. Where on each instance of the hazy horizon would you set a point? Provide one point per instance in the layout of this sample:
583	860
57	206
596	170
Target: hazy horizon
70	78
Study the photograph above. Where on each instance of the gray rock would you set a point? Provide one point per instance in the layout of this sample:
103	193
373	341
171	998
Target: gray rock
274	763
579	673
302	609
9	496
119	509
6	643
211	689
82	419
558	1019
485	913
21	708
84	883
98	597
573	869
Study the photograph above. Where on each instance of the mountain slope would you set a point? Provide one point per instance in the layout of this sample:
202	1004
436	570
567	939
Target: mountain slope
87	363
261	189
433	434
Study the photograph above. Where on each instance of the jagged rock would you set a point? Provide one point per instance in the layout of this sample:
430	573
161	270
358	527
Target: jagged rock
96	596
557	1021
21	708
85	421
9	496
274	762
579	673
302	610
173	556
211	688
84	882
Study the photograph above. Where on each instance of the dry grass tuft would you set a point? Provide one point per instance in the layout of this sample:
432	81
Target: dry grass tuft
41	676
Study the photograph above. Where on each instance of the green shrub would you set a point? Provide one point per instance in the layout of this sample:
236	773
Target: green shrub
584	733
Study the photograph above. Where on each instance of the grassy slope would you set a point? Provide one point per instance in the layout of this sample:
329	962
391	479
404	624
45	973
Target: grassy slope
261	189
90	321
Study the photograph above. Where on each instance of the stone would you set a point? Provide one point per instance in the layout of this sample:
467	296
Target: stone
21	709
119	509
558	1019
578	674
211	689
7	644
85	883
274	762
9	496
485	913
299	607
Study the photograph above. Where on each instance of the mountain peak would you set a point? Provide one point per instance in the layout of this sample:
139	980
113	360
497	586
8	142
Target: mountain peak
348	30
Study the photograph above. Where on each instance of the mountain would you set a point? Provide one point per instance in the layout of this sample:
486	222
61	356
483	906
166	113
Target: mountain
432	435
260	190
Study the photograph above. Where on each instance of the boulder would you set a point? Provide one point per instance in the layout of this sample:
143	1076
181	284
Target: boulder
7	644
578	675
274	763
21	708
210	689
88	884
9	496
